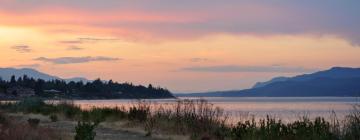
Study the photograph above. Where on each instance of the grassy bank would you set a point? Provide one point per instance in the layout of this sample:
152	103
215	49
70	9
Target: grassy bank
195	119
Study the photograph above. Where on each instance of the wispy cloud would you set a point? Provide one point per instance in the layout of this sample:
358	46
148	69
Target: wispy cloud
186	18
22	48
72	60
197	59
82	40
28	66
71	42
97	39
236	68
75	48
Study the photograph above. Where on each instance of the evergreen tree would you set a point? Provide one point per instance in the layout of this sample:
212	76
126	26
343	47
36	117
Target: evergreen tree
13	80
94	89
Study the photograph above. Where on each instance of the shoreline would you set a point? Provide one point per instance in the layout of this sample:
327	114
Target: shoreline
187	118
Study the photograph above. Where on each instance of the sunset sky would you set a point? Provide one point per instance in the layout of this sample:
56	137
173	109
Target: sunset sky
183	45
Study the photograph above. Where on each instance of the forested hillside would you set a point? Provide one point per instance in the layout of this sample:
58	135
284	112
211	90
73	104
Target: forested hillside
24	86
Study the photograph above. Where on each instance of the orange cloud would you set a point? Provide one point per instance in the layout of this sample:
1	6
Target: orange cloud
46	16
128	25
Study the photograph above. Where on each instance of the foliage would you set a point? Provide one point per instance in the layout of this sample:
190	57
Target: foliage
102	114
196	118
90	90
53	118
2	119
13	130
150	125
85	130
28	105
33	122
201	120
273	129
139	113
68	109
352	125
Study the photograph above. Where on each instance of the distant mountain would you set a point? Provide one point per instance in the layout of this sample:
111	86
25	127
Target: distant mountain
337	81
6	73
335	72
77	79
276	79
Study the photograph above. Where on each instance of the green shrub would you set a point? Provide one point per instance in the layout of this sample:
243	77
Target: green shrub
30	105
53	118
139	113
34	123
68	109
3	119
85	130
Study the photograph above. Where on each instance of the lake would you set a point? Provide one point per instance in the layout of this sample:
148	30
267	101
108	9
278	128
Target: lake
286	108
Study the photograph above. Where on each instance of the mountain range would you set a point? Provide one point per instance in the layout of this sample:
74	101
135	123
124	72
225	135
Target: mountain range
6	73
337	81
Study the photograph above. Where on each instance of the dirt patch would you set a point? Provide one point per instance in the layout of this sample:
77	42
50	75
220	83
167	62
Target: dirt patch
105	131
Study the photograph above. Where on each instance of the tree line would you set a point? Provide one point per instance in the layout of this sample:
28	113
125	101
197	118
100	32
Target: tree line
97	89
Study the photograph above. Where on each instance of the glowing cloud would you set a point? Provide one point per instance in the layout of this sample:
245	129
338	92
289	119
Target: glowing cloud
72	60
22	48
184	45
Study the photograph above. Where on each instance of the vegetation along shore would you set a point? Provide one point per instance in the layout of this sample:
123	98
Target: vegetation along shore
185	119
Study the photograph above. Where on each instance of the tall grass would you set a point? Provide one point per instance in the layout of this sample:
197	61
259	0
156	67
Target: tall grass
200	119
274	129
185	117
351	128
11	129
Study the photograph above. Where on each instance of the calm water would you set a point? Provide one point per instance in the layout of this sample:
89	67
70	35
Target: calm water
286	108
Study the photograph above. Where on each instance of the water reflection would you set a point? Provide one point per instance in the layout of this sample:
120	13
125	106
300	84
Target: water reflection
286	108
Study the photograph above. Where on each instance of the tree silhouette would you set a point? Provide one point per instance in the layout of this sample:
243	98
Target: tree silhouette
95	89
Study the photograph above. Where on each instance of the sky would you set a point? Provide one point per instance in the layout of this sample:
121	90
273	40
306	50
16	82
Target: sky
183	45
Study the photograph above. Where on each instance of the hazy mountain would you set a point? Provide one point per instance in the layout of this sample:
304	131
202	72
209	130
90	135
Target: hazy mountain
335	72
276	79
6	73
76	79
337	81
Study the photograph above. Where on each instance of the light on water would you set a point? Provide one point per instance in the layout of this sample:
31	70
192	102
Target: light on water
285	108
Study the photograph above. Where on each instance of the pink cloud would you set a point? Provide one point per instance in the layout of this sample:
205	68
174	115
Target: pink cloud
187	19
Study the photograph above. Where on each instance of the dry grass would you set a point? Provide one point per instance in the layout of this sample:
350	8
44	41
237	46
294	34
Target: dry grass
11	129
189	119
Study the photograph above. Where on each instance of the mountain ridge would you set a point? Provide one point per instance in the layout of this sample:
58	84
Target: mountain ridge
6	73
337	81
276	79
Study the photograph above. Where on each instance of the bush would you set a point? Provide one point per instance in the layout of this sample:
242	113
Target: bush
53	118
30	105
85	130
272	129
351	128
33	122
68	109
139	113
3	119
